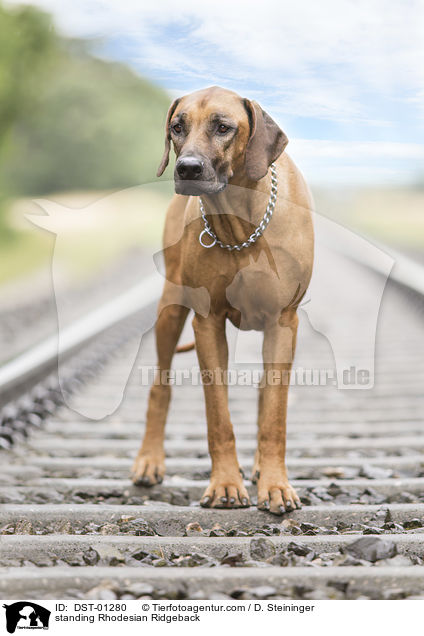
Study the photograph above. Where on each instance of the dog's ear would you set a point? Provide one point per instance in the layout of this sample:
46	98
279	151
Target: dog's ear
165	158
266	142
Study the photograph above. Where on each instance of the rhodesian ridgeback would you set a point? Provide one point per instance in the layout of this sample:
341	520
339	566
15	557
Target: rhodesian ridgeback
240	229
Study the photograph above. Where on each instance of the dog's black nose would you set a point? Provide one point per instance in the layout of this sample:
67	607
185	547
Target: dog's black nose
189	168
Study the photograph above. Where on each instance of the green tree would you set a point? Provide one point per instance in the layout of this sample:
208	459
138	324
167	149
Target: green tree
100	126
68	119
27	46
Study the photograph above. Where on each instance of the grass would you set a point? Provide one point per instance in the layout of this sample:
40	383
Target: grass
95	228
21	254
92	229
392	215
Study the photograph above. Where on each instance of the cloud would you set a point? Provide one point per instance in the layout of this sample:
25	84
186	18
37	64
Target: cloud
346	43
348	162
322	148
353	65
321	57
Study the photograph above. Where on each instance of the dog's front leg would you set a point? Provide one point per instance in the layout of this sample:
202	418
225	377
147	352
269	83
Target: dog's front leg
149	465
226	488
274	490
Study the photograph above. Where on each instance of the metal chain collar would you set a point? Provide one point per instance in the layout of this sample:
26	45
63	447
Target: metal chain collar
256	233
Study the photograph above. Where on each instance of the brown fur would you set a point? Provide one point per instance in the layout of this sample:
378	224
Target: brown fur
259	288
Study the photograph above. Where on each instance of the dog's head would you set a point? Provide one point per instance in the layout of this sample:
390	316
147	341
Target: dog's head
218	135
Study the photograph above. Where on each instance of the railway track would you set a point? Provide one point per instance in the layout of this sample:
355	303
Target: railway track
73	526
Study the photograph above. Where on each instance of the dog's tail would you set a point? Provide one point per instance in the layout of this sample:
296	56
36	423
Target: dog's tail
184	348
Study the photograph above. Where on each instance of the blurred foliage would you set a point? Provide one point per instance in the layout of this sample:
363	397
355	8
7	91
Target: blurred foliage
99	127
27	43
69	120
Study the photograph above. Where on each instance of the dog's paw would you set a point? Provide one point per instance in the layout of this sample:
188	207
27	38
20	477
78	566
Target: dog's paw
278	498
255	476
148	470
229	493
256	469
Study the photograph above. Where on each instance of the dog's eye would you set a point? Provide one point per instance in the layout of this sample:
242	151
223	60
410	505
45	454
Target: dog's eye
222	129
177	128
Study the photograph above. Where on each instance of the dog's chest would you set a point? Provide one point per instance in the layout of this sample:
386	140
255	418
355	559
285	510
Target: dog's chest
258	294
252	288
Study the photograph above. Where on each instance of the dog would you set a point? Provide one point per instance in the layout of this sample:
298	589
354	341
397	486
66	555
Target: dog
230	155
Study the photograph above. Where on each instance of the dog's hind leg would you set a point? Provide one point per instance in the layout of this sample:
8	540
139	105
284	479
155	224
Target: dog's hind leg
274	490
149	466
226	488
256	468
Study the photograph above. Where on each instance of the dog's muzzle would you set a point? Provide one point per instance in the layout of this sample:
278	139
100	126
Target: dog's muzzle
194	176
189	168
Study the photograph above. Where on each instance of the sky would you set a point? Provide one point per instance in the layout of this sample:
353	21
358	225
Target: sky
343	78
